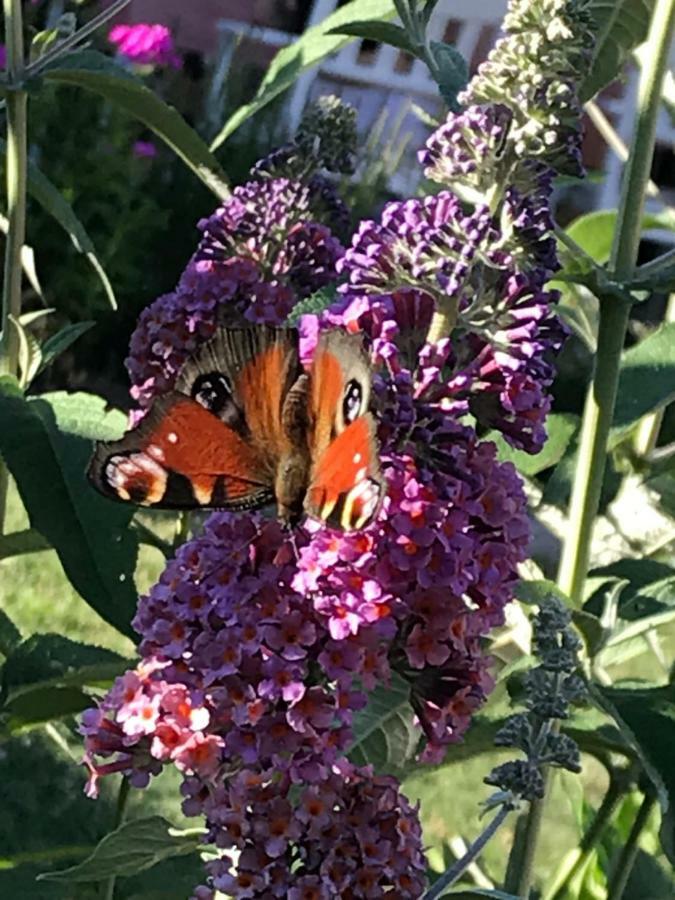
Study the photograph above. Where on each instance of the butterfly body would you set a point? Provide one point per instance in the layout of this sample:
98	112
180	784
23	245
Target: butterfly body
246	425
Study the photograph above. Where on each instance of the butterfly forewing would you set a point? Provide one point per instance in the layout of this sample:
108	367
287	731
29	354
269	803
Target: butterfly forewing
181	456
346	485
243	375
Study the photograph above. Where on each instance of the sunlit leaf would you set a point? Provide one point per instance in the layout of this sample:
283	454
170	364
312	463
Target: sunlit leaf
620	26
561	427
132	848
314	45
90	534
382	32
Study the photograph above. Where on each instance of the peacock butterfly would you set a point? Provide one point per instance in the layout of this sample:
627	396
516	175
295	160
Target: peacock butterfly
246	425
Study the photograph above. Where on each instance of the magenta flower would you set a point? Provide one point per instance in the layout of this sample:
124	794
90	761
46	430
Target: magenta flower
145	44
144	149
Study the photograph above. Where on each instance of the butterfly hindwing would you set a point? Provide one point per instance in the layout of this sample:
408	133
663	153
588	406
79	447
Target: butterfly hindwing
181	456
346	485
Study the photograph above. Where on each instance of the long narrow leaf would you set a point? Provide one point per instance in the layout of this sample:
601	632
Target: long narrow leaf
55	204
95	72
27	260
315	45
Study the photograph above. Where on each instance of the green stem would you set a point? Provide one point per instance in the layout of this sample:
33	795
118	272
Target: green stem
590	468
599	409
15	167
108	887
626	860
450	876
444	319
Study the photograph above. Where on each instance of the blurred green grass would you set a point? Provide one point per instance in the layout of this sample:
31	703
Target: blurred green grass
35	593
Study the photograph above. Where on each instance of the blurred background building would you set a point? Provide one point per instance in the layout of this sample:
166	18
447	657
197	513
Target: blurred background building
384	82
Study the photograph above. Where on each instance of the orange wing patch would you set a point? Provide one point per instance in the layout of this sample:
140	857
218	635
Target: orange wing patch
347	487
182	456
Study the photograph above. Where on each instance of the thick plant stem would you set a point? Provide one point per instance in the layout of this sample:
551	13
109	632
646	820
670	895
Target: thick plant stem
626	860
590	468
599	409
16	205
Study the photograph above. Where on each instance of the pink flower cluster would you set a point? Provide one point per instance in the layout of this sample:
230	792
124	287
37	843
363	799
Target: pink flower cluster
145	44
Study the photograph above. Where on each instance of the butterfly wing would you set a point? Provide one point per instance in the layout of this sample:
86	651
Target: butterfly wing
243	375
346	485
181	456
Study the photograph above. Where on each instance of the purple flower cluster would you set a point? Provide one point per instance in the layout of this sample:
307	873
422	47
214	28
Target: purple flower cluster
493	269
145	44
259	649
261	252
465	150
241	676
350	834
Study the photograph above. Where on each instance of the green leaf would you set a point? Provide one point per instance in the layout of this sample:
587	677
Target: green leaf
19	542
656	275
313	46
646	380
594	231
55	204
646	718
44	41
534	593
95	72
10	636
383	32
561	428
132	848
650	587
30	355
384	734
620	26
36	708
86	415
90	534
453	72
315	304
59	342
51	660
27	260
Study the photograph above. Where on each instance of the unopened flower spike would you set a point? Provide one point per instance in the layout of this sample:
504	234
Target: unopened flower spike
550	689
534	71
